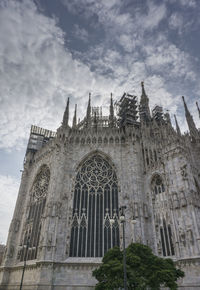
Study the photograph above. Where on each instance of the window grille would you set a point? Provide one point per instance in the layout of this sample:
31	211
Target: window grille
95	203
31	233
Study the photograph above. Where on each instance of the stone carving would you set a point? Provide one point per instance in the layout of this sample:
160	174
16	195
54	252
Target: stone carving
136	210
145	209
49	241
184	171
182	236
14	227
190	237
10	252
183	201
175	200
159	247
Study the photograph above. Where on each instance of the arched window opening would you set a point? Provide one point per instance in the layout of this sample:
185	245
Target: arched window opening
31	234
95	203
158	185
166	239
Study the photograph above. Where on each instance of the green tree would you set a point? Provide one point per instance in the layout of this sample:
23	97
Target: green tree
144	270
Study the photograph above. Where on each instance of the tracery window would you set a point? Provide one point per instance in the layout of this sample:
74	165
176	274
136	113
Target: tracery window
31	233
158	185
95	203
166	239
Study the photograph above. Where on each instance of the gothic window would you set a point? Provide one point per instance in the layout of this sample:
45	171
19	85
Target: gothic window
31	234
158	185
166	239
95	204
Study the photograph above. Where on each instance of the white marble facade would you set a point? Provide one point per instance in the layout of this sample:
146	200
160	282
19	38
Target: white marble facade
157	173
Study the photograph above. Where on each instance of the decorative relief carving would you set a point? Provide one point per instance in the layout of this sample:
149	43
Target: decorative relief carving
41	183
14	227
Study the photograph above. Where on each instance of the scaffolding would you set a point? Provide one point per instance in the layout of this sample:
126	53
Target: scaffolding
127	111
157	113
39	137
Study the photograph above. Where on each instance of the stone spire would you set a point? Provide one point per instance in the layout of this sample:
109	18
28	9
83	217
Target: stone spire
89	107
74	118
198	108
66	115
111	116
88	115
191	125
144	106
177	126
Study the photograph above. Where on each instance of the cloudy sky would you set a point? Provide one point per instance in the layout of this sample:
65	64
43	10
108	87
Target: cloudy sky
51	50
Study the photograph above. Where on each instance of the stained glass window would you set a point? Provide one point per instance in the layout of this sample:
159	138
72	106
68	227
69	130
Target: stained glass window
95	204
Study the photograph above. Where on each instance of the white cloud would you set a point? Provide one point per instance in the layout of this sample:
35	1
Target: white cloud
156	13
80	33
37	73
8	193
189	3
176	21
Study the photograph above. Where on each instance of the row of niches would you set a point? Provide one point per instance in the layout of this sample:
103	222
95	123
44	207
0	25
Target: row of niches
177	200
99	140
104	139
181	199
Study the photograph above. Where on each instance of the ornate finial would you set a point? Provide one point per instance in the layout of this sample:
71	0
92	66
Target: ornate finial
66	115
142	84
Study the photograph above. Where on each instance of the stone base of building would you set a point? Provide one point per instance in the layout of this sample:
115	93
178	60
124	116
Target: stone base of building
76	274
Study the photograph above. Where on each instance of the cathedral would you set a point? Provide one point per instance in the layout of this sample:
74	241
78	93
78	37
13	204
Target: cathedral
74	181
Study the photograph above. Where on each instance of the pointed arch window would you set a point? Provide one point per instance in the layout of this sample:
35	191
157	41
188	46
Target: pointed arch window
158	185
95	203
31	233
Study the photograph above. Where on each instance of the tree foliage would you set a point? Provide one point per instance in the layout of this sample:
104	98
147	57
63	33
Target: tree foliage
144	270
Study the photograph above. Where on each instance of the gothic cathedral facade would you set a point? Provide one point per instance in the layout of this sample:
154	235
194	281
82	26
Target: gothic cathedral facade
74	181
